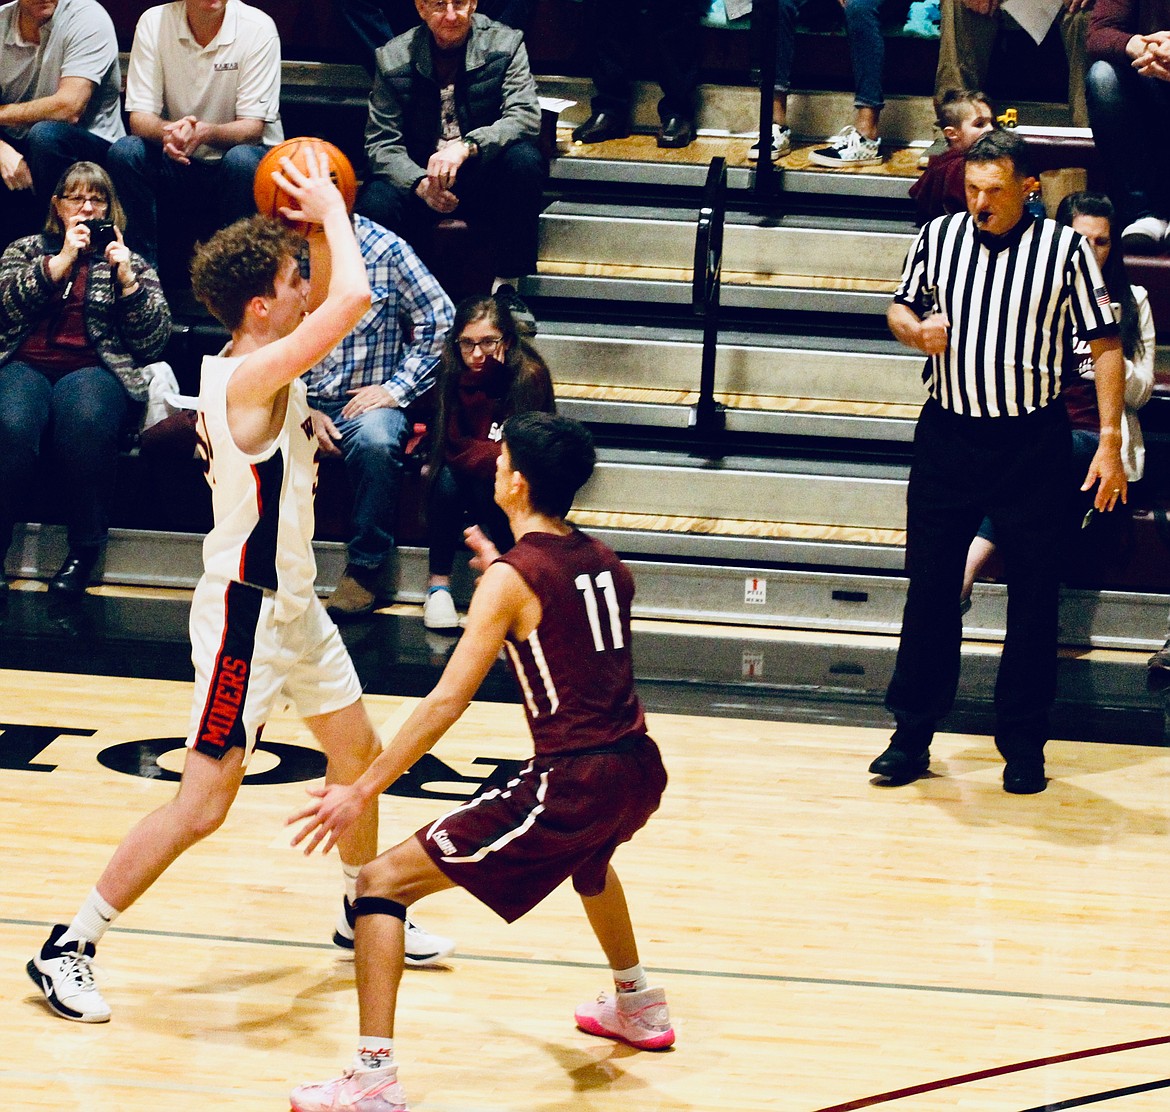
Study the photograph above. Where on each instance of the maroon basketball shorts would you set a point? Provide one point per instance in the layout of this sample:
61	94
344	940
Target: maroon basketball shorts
562	816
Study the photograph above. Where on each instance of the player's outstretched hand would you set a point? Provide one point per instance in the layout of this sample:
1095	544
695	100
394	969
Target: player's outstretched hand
336	809
484	552
314	192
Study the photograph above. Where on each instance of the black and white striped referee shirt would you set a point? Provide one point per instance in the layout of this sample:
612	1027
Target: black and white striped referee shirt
1014	303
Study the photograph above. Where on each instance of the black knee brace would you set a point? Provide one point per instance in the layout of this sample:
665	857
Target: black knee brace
375	905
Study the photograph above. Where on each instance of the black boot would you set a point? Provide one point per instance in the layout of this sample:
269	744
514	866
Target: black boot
75	573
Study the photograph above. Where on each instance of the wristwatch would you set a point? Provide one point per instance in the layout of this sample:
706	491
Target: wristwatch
472	147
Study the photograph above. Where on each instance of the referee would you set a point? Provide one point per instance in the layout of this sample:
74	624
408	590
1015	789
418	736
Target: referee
994	296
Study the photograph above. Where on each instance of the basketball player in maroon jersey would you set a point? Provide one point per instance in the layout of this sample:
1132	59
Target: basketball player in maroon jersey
559	602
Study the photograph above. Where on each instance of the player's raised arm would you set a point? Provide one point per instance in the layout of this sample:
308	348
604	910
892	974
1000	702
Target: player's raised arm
285	355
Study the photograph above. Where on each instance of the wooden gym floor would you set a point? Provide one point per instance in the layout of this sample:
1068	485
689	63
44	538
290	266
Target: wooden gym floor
827	944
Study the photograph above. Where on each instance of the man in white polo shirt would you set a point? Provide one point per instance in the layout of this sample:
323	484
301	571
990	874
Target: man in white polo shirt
203	97
59	87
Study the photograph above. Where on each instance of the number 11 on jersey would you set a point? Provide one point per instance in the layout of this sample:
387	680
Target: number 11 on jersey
605	583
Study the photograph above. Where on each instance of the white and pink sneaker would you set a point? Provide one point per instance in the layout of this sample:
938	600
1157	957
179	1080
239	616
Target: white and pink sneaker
354	1091
638	1018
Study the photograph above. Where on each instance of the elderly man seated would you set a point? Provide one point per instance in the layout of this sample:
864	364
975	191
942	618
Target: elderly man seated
454	119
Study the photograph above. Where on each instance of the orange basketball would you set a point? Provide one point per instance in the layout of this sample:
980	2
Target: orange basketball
269	196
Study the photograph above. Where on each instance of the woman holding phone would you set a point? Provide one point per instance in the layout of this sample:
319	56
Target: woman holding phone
80	316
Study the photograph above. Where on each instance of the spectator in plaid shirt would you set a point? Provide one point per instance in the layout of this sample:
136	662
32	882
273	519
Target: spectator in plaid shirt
359	394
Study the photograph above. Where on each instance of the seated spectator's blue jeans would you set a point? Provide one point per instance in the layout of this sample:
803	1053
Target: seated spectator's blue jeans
79	418
1128	113
501	199
457	501
372	444
867	48
52	146
209	193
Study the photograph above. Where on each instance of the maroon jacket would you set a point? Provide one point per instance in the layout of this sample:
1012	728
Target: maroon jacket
940	191
1114	22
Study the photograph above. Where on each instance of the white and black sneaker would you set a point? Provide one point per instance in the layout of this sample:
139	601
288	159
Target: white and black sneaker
1145	236
849	148
65	975
422	947
781	143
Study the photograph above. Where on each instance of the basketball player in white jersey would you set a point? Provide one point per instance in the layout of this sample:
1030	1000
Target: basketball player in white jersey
257	628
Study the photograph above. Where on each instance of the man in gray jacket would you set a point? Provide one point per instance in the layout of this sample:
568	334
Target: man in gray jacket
452	130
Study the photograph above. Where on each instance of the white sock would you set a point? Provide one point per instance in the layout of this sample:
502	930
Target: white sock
350	873
630	980
91	921
374	1054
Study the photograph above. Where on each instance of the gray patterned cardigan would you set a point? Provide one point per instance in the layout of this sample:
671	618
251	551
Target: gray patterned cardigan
127	332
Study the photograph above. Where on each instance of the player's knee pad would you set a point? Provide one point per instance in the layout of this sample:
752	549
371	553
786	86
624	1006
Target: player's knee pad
375	905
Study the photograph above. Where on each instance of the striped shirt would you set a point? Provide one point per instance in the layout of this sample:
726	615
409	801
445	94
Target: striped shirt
1014	303
380	350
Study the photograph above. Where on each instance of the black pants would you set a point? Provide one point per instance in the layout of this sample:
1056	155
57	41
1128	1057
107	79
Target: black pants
1014	471
665	32
501	199
457	501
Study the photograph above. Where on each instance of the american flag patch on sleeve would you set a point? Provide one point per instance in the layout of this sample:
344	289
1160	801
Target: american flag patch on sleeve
1101	296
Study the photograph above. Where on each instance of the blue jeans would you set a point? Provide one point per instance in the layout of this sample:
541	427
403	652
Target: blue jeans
199	198
79	419
1128	112
372	445
867	48
52	146
49	148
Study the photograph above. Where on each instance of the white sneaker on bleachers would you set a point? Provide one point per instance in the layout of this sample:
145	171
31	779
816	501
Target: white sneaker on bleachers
850	148
1145	236
781	143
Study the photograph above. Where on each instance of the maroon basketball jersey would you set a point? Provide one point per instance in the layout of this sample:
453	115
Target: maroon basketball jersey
575	670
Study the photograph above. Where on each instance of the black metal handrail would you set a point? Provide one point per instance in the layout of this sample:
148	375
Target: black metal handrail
707	414
765	16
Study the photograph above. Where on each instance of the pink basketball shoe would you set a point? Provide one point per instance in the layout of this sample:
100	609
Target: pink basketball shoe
354	1091
638	1018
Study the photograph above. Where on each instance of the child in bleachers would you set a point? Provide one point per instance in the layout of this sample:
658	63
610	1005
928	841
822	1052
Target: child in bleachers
963	116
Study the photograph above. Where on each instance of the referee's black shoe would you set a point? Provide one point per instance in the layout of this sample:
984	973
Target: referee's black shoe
896	766
1024	777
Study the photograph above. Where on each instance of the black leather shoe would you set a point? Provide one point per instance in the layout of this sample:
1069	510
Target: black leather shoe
75	573
676	131
899	767
600	127
1160	661
1024	778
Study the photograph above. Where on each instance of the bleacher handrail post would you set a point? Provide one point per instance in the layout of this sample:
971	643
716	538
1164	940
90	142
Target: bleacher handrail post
707	415
765	17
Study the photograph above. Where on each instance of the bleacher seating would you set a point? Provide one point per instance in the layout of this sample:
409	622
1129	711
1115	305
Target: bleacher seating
819	400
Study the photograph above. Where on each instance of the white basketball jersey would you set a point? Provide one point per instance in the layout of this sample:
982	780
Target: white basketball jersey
262	504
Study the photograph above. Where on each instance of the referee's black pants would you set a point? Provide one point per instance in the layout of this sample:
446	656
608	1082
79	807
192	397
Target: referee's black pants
1013	470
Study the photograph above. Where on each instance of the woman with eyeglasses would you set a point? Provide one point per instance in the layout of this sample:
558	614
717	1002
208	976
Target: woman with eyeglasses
80	316
487	373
